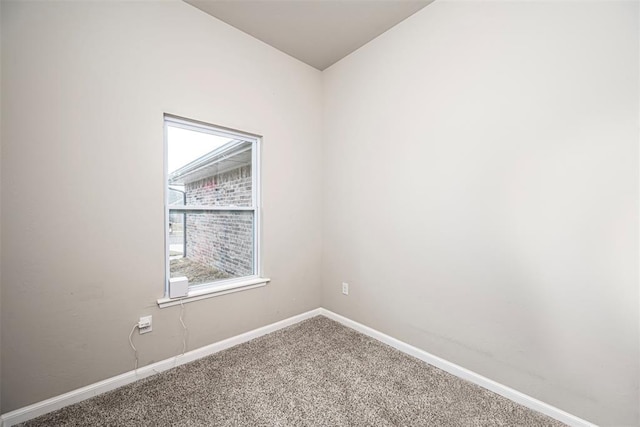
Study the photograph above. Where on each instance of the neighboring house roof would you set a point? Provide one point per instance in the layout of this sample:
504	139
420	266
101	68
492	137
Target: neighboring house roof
232	155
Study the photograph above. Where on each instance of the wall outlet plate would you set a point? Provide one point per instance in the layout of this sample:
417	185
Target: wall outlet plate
345	288
145	325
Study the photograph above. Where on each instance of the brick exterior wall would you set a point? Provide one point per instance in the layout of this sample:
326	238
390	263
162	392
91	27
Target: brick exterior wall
222	239
230	188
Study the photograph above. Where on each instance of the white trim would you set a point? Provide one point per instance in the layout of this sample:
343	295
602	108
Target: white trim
32	411
209	208
256	201
165	182
235	137
223	288
463	373
198	126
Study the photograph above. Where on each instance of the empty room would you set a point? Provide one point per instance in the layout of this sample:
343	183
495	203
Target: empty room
319	213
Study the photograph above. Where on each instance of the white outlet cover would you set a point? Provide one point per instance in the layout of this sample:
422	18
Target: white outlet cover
145	324
345	288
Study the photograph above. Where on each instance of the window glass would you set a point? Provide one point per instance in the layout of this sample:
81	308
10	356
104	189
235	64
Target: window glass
211	203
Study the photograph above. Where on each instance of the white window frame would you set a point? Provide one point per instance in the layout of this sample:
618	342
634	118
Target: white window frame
225	286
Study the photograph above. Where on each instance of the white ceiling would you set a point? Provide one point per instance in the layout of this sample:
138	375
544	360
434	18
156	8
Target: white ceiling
318	32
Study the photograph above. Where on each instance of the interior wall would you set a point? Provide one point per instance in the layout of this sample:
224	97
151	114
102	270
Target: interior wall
481	194
1	411
480	189
84	89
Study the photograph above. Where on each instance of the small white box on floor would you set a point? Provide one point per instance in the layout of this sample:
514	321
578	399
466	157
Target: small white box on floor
178	287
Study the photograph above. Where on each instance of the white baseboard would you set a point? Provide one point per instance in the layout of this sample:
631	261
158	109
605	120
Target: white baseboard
32	411
463	373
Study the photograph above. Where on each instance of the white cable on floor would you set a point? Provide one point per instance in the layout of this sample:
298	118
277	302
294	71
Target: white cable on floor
135	350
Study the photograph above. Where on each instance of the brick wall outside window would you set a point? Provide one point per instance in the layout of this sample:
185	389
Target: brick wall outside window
222	239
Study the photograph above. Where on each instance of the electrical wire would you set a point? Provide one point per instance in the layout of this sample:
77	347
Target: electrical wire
184	335
184	327
135	350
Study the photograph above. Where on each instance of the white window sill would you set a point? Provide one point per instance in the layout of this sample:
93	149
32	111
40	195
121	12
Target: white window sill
215	291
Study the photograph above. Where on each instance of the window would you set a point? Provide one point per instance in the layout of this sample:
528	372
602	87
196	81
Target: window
212	208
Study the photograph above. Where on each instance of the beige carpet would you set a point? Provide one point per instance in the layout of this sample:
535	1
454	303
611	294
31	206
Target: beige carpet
315	373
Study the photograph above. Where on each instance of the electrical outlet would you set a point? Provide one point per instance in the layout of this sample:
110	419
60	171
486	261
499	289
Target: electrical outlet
345	288
145	324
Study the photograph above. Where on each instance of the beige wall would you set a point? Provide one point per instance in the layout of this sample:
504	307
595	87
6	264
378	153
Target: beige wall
481	194
0	218
84	89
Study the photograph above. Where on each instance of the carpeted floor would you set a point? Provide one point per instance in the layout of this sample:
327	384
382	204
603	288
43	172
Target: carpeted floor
314	373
